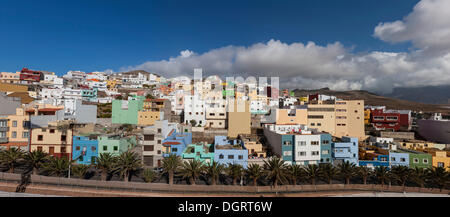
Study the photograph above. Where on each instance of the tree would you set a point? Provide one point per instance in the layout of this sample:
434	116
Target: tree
328	172
311	172
419	176
439	177
170	166
57	166
80	170
401	174
11	158
347	170
106	162
382	174
193	123
275	170
149	175
235	171
254	172
294	171
364	173
127	163
192	169
35	160
214	170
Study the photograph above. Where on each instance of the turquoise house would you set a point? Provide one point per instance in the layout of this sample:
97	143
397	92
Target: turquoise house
200	151
115	145
89	95
126	111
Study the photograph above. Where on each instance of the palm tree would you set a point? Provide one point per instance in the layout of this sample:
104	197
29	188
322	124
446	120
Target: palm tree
214	170
127	163
382	174
439	177
80	170
57	166
275	170
364	173
192	169
347	170
235	171
35	160
11	158
328	171
419	176
294	171
106	163
312	172
401	173
254	171
170	166
149	175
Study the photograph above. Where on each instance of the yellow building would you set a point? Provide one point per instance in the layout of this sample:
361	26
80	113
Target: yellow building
18	133
367	116
10	78
255	149
239	118
292	116
56	139
148	117
339	118
441	159
416	144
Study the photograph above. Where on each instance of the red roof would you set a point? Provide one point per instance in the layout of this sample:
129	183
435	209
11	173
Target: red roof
171	143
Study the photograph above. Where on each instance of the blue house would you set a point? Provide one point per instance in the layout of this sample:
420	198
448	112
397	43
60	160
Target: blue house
230	151
325	148
175	143
345	150
380	160
399	158
85	149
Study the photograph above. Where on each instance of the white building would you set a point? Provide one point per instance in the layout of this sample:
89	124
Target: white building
307	149
194	109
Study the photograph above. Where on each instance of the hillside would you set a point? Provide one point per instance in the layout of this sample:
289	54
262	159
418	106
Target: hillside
427	94
375	100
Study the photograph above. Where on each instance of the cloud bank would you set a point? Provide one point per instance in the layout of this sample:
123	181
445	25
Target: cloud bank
311	66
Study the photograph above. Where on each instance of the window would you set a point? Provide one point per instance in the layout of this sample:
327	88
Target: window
93	148
159	130
14	134
325	152
302	153
384	159
149	147
325	142
230	156
392	118
378	118
287	153
314	142
63	149
174	149
314	153
313	124
415	160
392	158
63	137
402	159
240	157
77	148
302	143
149	137
93	159
287	143
52	130
221	156
14	123
40	137
39	148
319	124
315	116
105	148
440	164
159	151
115	148
425	161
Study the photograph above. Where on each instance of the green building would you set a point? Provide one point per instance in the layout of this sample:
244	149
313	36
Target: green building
199	151
418	159
115	144
126	111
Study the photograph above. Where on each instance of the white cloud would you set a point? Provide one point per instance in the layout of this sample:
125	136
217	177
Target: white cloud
311	66
427	27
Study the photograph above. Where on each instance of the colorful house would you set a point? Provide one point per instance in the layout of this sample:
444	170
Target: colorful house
85	149
379	160
115	144
175	143
201	151
230	151
345	149
126	111
418	159
325	148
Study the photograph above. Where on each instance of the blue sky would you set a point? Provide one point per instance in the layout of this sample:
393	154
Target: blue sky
109	34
